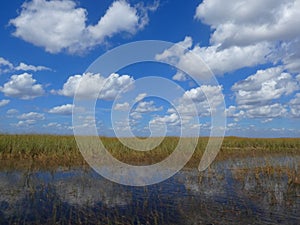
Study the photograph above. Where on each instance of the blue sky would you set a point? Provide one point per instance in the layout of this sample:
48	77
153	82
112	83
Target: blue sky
251	47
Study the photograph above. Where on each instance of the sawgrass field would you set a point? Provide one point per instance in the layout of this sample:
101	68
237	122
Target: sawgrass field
51	151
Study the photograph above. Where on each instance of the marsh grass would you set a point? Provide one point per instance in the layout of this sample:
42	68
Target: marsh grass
38	151
44	151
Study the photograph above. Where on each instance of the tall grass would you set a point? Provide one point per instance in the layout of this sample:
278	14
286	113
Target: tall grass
49	150
265	145
44	150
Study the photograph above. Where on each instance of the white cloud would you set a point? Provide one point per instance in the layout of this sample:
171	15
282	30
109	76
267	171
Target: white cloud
53	125
232	125
263	87
268	120
192	105
290	55
53	25
25	123
61	25
219	61
32	116
135	116
122	106
58	127
25	67
12	112
233	58
232	112
91	84
22	86
180	76
6	66
111	23
123	125
206	97
86	121
256	96
4	102
177	50
140	97
267	111
247	23
295	105
63	109
5	62
172	119
29	119
146	107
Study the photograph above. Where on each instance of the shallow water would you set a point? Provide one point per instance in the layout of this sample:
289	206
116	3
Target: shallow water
230	192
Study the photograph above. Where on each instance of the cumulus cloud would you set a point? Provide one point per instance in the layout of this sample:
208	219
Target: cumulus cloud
295	106
22	86
146	107
260	95
232	112
5	62
233	58
52	125
267	111
180	76
58	127
204	93
87	122
192	105
31	116
26	67
199	61
140	97
268	120
122	106
290	55
135	116
256	32
12	111
264	87
63	109
29	119
61	25
25	123
244	23
4	102
200	101
90	85
6	66
172	119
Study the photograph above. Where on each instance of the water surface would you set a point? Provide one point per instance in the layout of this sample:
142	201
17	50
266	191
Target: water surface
241	191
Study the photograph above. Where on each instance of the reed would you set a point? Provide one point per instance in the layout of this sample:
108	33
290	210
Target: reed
49	150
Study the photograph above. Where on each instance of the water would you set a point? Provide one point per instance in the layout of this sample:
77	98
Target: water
230	192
